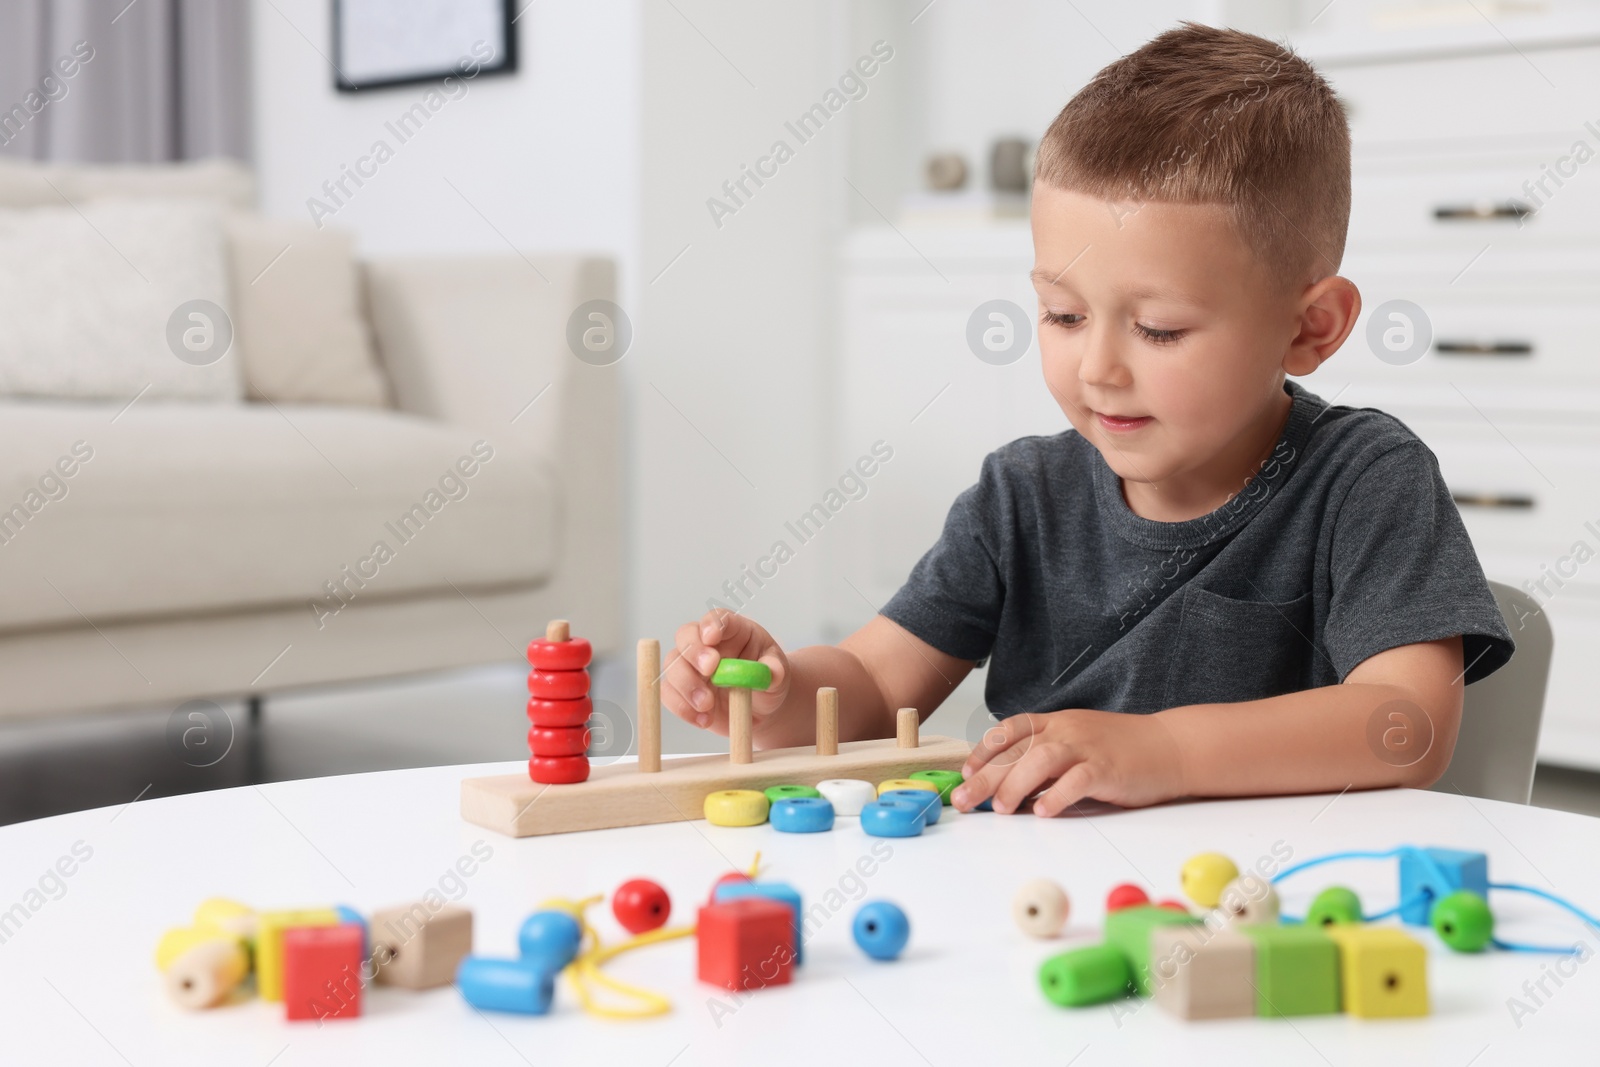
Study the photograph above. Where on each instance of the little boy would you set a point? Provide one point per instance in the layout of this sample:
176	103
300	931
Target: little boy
1216	583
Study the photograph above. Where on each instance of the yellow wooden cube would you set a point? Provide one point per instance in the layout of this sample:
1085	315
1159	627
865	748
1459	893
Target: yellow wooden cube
1384	971
270	926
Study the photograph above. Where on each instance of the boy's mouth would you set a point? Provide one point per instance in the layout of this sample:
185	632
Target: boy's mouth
1121	423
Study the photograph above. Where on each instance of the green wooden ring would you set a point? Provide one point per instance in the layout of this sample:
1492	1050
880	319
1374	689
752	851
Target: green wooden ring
945	780
742	674
776	793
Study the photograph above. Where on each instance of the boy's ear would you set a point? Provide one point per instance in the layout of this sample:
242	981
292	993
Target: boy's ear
1328	312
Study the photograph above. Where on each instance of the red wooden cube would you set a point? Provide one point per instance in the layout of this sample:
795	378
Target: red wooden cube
746	943
322	972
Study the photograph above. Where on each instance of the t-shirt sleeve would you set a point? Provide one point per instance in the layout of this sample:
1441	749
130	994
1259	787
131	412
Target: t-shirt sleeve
954	595
1404	569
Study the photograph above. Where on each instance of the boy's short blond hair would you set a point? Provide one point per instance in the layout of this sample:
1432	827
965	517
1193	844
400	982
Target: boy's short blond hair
1201	115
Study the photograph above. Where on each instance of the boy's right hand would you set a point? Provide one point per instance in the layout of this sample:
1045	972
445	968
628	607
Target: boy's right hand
686	687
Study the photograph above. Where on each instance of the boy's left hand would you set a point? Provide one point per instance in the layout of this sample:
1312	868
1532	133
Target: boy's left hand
1128	760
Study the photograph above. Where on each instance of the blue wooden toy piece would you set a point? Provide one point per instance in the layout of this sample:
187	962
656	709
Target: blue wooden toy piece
887	817
1428	875
929	803
801	815
521	986
782	892
347	914
549	938
881	928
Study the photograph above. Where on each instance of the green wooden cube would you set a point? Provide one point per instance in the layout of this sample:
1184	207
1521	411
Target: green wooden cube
1297	970
1129	929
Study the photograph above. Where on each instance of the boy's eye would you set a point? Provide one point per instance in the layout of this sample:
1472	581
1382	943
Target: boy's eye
1160	337
1053	318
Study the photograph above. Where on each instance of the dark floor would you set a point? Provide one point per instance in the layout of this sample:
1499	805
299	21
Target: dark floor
461	717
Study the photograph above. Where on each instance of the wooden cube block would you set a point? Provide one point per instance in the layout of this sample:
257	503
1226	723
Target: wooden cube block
417	948
1383	971
1199	973
322	972
745	944
1428	875
270	926
1129	929
1297	970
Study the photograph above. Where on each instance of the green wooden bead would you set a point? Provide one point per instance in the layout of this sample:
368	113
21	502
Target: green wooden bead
1129	929
742	674
1463	921
1335	904
1091	975
945	780
788	792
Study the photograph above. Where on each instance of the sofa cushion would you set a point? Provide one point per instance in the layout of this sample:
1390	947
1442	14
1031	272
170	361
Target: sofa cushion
115	298
297	312
26	183
180	508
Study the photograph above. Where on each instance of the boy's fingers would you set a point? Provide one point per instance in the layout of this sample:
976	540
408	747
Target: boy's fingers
997	739
978	788
713	719
1070	788
1029	774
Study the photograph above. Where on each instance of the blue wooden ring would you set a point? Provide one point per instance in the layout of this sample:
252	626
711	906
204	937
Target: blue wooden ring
801	815
923	800
893	818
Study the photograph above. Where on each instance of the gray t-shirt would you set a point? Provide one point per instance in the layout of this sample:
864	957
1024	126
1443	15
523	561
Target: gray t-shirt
1345	543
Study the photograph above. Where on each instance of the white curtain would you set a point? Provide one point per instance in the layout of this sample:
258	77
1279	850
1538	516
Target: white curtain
109	81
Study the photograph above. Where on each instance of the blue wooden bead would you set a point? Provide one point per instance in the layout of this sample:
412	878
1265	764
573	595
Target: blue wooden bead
928	803
893	818
881	929
782	892
521	986
550	938
801	815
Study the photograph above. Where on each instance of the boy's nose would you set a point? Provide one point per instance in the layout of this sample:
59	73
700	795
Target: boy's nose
1102	365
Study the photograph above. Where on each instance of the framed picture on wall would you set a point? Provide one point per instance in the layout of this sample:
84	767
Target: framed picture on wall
378	43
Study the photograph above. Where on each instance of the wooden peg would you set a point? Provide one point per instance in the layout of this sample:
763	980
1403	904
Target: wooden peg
740	725
649	705
827	721
905	724
557	630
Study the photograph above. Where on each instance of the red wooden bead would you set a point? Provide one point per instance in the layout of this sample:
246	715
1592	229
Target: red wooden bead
558	740
558	770
558	685
746	943
1126	895
731	876
322	972
1175	905
543	712
570	655
641	905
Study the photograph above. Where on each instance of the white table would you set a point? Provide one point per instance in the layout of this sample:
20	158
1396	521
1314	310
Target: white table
78	985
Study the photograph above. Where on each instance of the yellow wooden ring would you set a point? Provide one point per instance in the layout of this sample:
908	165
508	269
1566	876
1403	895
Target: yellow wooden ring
906	783
736	807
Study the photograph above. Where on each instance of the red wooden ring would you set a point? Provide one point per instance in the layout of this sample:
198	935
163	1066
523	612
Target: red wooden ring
558	740
558	770
571	655
558	685
559	712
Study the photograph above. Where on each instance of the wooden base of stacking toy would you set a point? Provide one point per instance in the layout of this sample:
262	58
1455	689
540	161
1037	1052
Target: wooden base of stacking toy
660	790
620	795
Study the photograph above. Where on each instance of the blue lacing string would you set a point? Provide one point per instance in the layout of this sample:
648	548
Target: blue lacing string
1432	865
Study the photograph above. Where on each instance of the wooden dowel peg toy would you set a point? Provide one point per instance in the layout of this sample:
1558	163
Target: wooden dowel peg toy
649	687
740	677
206	973
906	724
827	721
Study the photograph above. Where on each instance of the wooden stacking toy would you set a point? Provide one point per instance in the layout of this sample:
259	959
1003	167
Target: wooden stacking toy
559	706
674	790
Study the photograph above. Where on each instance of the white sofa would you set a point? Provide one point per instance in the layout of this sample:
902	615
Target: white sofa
192	553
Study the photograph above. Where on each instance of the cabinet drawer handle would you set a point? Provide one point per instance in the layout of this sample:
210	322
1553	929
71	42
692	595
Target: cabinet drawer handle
1484	348
1491	500
1483	210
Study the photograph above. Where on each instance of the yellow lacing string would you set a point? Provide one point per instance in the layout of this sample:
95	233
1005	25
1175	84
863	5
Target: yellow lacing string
586	967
